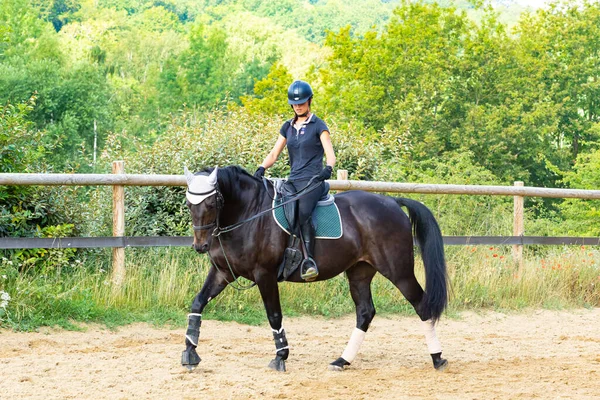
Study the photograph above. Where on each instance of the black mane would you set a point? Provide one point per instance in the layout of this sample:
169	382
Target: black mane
234	180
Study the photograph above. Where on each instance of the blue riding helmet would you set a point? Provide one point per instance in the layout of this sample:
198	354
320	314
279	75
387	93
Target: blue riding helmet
299	92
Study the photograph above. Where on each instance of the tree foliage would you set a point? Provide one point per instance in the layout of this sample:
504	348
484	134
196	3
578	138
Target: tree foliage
422	92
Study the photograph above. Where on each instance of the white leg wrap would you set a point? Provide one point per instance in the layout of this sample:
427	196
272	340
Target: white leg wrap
353	345
433	344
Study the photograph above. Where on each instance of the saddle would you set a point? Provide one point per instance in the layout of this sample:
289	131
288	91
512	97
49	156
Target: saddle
326	220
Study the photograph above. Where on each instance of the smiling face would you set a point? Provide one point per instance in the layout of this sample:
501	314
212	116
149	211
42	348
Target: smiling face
201	198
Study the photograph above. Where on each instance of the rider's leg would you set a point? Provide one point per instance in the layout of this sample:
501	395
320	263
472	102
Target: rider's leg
309	266
306	206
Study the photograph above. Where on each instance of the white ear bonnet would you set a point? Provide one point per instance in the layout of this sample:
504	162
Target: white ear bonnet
200	187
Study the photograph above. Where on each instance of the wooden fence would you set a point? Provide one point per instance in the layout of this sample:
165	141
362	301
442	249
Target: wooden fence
118	180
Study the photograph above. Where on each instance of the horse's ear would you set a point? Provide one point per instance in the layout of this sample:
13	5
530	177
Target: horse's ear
212	178
189	177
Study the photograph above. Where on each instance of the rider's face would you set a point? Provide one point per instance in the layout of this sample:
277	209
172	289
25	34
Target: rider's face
301	109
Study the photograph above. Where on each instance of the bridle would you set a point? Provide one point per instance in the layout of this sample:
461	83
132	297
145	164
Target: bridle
220	203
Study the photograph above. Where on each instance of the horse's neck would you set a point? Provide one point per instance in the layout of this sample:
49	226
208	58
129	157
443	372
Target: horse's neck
243	202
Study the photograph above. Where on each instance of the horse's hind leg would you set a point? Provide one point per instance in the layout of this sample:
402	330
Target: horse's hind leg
359	278
410	288
213	285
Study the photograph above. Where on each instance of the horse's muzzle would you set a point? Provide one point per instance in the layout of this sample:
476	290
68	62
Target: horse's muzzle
200	248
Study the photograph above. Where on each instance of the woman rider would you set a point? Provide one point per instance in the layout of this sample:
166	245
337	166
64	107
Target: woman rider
307	139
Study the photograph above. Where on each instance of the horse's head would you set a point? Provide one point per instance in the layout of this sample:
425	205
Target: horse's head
205	202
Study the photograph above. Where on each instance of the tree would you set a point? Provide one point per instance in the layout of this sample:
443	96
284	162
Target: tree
24	36
198	75
560	50
270	93
402	77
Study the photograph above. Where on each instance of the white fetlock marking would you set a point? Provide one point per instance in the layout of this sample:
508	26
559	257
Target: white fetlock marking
353	345
191	341
433	344
196	314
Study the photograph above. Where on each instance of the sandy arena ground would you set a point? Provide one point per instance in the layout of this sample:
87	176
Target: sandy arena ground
536	354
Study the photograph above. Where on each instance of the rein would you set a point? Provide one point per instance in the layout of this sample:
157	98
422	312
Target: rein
218	230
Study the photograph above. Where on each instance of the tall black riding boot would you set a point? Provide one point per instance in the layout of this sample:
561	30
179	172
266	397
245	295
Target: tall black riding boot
308	269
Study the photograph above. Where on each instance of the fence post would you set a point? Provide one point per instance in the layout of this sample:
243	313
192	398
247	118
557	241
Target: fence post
518	229
118	259
342	175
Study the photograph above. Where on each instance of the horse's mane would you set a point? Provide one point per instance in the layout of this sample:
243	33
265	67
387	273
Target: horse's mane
233	179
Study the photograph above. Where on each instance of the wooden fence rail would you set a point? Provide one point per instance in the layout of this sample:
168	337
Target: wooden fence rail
388	187
119	179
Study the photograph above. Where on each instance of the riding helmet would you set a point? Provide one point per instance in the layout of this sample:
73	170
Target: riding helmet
299	92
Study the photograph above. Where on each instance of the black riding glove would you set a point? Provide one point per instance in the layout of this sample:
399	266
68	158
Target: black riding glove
260	172
325	173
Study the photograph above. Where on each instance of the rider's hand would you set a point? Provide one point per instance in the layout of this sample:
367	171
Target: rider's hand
325	173
260	172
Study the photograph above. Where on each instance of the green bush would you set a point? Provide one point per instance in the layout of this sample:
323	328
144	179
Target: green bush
33	211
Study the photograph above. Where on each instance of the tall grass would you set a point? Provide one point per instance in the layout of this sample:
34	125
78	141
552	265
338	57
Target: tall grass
161	283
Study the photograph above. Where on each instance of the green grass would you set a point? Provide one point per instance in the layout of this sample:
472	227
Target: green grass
161	283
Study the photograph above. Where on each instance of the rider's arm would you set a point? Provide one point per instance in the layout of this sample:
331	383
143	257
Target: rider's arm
328	148
274	154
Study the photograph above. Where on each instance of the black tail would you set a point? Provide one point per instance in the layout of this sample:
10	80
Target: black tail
429	238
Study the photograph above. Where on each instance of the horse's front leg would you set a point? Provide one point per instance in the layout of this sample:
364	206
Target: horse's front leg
269	291
213	285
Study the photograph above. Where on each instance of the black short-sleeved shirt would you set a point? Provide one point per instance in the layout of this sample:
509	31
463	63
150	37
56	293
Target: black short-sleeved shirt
304	147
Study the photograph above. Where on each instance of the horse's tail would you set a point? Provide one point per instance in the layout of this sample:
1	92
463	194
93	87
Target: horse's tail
429	239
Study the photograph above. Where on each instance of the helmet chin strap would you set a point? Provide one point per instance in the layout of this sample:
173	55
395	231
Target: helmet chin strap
305	114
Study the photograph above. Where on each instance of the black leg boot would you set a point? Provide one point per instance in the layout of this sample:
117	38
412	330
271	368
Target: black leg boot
308	269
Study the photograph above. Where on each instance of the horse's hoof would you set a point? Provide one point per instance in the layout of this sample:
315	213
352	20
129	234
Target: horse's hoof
338	365
190	359
278	364
442	365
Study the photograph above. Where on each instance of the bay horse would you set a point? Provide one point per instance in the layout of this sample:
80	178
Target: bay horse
377	237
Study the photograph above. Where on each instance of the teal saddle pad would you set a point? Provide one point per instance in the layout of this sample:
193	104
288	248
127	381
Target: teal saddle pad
326	219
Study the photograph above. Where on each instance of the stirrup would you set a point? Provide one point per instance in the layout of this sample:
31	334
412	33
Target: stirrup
309	272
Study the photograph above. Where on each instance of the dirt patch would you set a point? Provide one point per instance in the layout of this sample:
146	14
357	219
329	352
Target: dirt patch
541	354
